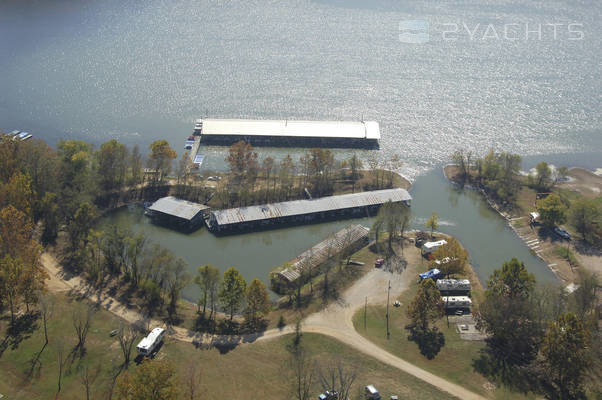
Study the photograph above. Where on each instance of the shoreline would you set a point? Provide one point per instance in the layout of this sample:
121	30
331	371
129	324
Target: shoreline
579	183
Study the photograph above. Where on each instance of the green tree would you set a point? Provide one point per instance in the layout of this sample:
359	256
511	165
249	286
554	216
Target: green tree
79	226
49	211
432	222
232	291
17	193
258	300
552	211
208	281
544	176
425	309
152	380
586	216
565	358
11	272
454	254
508	315
112	165
561	173
161	158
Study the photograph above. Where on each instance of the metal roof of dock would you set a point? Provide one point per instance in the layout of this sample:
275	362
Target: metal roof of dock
324	250
287	128
177	207
301	207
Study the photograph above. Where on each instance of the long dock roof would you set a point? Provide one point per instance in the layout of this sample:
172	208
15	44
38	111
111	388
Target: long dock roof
177	207
301	207
286	128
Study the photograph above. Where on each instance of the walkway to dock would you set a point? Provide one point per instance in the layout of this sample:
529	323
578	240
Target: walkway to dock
195	148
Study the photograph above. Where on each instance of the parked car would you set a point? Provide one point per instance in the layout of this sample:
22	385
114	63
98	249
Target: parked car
371	393
562	233
379	263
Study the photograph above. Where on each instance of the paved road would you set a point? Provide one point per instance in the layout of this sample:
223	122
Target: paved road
334	321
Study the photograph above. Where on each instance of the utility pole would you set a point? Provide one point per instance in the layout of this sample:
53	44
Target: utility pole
388	292
365	307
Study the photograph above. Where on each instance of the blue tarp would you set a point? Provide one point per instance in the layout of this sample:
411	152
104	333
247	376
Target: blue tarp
433	274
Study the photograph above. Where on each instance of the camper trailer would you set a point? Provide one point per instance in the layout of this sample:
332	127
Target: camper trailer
148	344
453	285
451	302
430	247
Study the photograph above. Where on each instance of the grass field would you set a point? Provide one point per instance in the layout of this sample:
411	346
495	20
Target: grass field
257	370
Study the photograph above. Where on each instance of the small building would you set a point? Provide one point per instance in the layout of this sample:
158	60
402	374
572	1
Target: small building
177	212
453	286
305	211
430	247
454	302
345	242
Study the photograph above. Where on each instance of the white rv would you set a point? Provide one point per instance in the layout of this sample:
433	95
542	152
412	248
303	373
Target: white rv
148	344
429	247
456	301
453	285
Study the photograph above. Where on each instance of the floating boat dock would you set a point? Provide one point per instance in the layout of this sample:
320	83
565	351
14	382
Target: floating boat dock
304	211
346	241
344	134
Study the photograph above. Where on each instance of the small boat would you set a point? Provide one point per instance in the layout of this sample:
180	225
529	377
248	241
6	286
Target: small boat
23	136
198	160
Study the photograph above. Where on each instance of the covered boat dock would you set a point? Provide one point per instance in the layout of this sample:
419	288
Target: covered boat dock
344	242
305	211
289	133
177	212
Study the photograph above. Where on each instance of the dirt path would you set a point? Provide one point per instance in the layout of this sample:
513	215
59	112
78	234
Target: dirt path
335	321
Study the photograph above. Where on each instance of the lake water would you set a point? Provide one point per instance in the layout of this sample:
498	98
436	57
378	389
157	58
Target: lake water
518	76
140	71
462	213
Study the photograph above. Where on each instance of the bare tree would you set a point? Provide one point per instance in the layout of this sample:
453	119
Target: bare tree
82	315
127	336
337	377
60	358
192	381
87	377
303	368
46	309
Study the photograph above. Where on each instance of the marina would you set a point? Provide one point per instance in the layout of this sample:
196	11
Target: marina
342	134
